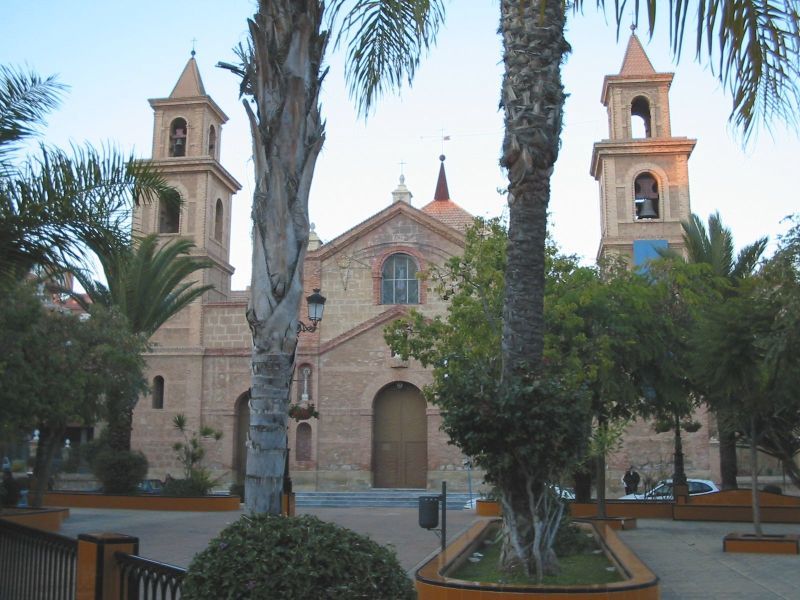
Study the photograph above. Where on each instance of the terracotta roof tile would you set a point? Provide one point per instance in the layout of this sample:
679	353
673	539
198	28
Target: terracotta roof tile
449	213
636	61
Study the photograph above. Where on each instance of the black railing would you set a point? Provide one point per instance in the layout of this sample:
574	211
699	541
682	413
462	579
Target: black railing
36	564
144	579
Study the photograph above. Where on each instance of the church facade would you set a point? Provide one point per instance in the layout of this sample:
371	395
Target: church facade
375	429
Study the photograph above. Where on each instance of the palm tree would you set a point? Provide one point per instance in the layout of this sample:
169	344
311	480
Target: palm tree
714	247
55	204
281	71
147	284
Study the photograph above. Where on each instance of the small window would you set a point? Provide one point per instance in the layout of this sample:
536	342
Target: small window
218	220
177	138
640	118
645	197
168	218
399	283
212	141
158	392
302	450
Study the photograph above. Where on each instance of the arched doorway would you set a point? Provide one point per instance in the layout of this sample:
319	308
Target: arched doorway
242	410
400	438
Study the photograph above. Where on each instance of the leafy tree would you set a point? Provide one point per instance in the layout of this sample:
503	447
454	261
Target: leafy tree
524	438
147	283
55	203
57	369
714	246
598	320
197	480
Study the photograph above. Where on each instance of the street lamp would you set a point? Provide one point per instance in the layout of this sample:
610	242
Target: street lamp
316	306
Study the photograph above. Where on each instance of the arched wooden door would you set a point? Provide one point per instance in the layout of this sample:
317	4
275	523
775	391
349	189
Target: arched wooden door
242	409
400	438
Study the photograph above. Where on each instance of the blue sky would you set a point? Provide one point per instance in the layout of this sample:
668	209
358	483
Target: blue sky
114	56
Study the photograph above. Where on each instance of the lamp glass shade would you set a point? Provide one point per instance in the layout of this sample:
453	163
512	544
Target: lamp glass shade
316	306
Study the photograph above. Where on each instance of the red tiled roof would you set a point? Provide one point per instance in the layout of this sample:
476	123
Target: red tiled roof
636	61
449	213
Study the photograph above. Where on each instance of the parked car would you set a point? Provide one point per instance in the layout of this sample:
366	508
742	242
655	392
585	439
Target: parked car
663	490
564	493
150	486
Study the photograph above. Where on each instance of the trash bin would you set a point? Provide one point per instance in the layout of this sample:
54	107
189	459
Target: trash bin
429	512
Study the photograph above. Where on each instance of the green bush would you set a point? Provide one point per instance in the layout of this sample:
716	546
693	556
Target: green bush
237	489
267	556
572	539
199	483
118	471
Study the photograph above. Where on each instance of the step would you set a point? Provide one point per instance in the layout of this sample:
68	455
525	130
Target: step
376	498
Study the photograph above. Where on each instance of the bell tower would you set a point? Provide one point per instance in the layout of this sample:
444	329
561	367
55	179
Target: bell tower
187	133
642	169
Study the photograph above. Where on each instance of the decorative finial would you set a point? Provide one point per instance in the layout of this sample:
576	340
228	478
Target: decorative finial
194	40
441	157
633	27
402	179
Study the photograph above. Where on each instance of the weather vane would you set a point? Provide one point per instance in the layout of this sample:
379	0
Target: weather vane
194	40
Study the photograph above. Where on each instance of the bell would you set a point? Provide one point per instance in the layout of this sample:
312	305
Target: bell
647	210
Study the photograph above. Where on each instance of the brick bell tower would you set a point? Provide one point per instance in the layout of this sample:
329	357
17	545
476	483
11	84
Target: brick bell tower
642	169
187	134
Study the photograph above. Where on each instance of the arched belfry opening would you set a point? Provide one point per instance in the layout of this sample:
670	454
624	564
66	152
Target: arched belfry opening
400	437
177	137
646	201
641	120
212	141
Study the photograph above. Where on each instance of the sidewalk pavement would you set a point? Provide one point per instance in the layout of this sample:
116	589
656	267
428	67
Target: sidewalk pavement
687	556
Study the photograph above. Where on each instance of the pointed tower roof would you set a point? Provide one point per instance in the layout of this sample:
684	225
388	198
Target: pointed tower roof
190	84
636	62
443	208
441	193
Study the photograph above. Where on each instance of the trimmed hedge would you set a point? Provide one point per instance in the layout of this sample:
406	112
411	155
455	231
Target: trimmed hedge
268	556
119	471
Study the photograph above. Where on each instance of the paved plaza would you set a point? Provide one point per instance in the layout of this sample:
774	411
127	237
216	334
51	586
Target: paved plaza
687	556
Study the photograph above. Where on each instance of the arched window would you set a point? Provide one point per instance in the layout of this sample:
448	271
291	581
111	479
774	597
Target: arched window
169	217
399	283
302	442
218	220
640	118
646	201
212	141
158	391
304	384
177	137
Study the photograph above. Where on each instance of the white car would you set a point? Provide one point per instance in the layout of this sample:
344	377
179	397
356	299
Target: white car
663	490
563	493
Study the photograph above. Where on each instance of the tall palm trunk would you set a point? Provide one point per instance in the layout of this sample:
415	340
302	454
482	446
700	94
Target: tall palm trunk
282	74
533	98
728	465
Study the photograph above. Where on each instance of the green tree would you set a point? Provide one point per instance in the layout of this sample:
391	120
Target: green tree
524	439
147	283
598	322
57	369
55	204
281	75
714	246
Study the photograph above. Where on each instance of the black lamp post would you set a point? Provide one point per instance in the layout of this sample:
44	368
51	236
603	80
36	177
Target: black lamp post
316	306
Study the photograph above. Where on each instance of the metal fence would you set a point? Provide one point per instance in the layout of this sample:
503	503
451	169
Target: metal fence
36	564
144	579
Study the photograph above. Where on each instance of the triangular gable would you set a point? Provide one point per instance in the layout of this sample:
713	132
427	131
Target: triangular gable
382	217
395	312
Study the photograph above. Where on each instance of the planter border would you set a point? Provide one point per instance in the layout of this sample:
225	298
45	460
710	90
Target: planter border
431	584
46	519
142	502
762	544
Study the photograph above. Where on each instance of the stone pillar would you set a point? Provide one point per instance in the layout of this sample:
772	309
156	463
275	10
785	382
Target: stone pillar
98	576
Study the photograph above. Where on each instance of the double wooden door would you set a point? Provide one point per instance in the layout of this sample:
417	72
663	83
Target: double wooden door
400	438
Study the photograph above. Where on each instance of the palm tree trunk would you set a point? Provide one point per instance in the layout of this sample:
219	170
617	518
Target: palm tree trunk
533	100
754	470
727	452
46	448
282	74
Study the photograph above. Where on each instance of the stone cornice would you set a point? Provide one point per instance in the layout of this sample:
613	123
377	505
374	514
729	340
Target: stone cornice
639	147
181	165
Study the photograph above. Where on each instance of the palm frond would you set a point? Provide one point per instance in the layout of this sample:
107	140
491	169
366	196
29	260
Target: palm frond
748	258
385	42
25	99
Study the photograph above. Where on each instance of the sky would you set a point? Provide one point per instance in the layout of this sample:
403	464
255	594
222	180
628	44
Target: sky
116	55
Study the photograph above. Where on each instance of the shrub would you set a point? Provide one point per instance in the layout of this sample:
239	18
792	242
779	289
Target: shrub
237	489
119	471
267	556
199	483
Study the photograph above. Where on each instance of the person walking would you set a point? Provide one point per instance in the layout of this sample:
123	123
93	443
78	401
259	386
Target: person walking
631	481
